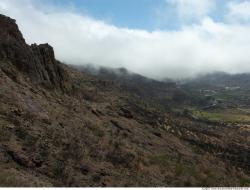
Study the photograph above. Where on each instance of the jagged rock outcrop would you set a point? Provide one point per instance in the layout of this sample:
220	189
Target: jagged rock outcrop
37	61
48	67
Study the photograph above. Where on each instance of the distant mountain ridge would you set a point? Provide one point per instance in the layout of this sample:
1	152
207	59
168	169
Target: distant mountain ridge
222	79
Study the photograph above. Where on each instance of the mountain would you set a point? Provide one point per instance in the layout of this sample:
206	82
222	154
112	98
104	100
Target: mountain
230	89
220	80
168	94
65	127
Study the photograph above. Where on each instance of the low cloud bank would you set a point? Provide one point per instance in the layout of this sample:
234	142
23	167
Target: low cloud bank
195	49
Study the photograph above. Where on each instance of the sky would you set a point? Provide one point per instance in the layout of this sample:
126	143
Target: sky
156	38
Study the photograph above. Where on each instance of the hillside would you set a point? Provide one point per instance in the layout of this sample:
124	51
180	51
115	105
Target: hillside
60	126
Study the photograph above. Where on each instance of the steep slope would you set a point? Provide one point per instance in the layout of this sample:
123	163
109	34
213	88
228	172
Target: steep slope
59	127
167	94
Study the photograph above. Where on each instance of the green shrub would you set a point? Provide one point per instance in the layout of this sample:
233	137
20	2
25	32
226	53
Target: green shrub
179	169
4	134
244	182
160	160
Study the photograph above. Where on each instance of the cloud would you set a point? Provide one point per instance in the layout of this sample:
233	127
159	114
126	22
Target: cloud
191	10
78	39
239	11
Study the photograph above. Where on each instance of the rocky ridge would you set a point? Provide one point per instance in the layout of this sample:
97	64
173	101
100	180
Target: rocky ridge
37	61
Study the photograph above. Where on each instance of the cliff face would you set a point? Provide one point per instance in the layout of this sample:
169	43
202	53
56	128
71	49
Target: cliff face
36	61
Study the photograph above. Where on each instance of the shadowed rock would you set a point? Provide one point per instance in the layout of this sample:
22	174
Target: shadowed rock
37	61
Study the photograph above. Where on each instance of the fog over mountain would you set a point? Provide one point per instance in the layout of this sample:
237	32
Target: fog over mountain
203	46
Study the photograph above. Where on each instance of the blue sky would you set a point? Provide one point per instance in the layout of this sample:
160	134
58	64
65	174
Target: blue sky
139	14
156	38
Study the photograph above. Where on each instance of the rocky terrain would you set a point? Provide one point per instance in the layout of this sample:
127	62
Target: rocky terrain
60	126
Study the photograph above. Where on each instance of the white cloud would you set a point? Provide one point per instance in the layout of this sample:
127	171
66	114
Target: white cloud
239	11
77	39
194	10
